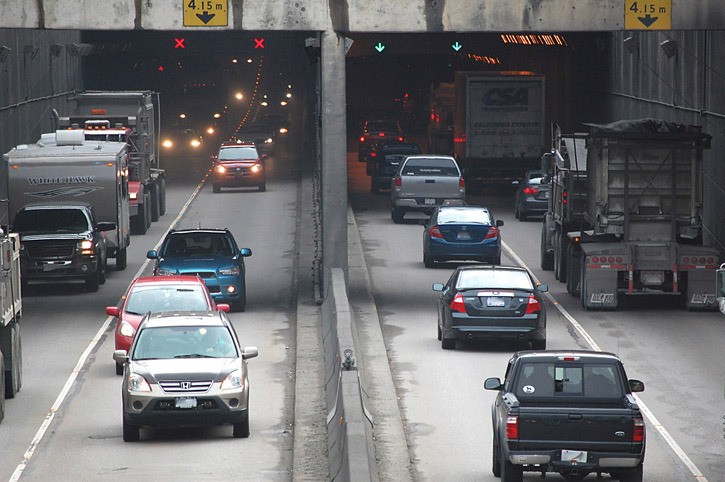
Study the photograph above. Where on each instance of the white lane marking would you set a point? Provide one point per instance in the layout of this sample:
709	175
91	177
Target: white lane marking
645	410
82	360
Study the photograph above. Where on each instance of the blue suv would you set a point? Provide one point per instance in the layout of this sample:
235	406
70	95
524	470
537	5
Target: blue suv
213	255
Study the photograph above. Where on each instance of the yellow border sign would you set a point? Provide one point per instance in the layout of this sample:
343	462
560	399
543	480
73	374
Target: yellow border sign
206	13
648	15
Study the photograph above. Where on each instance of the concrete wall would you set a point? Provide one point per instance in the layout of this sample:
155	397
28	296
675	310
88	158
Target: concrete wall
354	15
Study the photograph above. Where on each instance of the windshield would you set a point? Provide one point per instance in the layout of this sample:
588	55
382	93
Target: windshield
144	299
184	342
494	278
51	221
238	153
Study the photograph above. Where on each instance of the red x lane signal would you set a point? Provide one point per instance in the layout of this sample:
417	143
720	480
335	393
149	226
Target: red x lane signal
258	43
179	43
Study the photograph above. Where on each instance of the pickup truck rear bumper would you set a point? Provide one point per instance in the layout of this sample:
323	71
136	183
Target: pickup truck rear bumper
595	460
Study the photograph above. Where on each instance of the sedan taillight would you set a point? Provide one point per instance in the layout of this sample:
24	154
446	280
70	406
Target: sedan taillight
531	190
435	232
533	305
492	232
457	304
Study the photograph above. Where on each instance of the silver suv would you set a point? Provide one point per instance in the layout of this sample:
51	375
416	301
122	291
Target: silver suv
424	182
185	370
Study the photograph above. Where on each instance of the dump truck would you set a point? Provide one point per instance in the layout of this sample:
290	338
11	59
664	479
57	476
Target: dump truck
638	226
65	166
499	124
135	117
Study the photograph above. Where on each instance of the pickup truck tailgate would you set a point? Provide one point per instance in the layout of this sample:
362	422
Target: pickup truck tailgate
430	186
583	429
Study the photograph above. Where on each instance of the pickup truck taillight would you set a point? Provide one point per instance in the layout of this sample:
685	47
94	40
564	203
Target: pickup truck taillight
638	430
398	181
457	304
512	428
533	305
461	182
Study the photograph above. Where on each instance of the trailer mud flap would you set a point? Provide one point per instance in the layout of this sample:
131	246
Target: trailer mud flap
599	289
700	292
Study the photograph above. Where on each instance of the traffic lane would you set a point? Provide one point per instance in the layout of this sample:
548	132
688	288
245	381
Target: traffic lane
675	352
95	412
439	390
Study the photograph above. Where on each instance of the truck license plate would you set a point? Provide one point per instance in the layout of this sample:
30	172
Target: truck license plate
186	402
573	456
430	201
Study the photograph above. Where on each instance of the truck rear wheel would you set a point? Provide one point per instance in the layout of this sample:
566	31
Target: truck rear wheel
162	195
121	259
632	476
141	221
560	244
14	372
155	203
397	215
547	259
2	394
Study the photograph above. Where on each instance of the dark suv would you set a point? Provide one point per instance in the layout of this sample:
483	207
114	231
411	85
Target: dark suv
62	240
238	164
377	130
383	162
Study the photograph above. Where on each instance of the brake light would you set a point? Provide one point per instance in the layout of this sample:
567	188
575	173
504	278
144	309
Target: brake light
362	138
400	139
373	154
435	232
531	190
457	304
381	134
461	183
533	305
398	181
638	430
512	428
492	232
563	197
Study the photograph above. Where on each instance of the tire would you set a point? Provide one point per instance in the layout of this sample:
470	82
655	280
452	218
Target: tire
119	369
121	259
538	344
139	222
2	393
496	459
428	262
511	472
522	216
93	281
572	275
632	475
448	343
516	213
374	186
241	429
238	306
496	260
14	372
103	269
216	188
131	433
162	195
560	244
262	187
397	215
440	333
155	207
147	205
547	259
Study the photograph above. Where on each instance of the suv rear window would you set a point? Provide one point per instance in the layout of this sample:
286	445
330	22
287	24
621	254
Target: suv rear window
430	167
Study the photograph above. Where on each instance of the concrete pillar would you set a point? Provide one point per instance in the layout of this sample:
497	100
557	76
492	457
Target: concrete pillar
334	152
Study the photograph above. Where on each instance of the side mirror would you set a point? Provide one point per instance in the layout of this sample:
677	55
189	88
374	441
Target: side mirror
499	222
249	352
492	384
719	287
542	288
223	307
438	286
112	311
120	356
152	254
245	252
105	226
636	386
547	161
264	157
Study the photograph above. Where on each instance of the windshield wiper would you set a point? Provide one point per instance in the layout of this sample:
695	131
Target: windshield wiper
194	355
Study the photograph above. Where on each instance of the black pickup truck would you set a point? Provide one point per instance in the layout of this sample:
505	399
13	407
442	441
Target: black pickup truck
570	412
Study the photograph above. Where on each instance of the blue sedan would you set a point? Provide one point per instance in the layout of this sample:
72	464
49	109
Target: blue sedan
460	233
211	254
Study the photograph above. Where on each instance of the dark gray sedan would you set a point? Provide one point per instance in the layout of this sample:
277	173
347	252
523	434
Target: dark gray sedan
491	302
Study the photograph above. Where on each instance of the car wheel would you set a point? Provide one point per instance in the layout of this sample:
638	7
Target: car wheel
103	268
216	188
496	260
428	262
241	429
538	344
632	476
119	369
522	216
448	343
511	472
440	333
496	462
397	215
238	306
131	433
263	187
374	187
93	281
121	259
516	212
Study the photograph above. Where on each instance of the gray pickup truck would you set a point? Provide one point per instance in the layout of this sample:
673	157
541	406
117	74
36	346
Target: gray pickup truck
570	412
423	182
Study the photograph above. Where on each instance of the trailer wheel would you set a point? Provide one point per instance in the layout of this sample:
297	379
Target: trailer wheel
560	244
14	372
147	206
155	203
141	221
121	259
572	273
162	195
2	393
547	259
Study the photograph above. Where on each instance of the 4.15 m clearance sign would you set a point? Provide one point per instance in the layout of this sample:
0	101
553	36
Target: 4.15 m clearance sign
648	15
206	13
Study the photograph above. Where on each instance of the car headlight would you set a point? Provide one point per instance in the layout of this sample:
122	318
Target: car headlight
230	271
220	169
86	246
126	329
233	380
137	383
166	272
268	140
167	143
256	168
195	143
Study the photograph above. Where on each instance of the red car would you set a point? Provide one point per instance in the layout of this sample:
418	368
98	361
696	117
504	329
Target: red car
238	164
158	294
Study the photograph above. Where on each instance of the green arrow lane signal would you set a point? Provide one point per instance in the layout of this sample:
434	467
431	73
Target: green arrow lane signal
456	46
380	47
